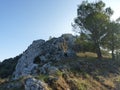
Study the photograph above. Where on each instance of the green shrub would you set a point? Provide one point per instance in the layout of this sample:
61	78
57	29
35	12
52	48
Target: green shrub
42	77
7	67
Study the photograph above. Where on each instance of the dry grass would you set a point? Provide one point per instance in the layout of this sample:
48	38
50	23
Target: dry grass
109	83
2	81
92	55
86	54
80	83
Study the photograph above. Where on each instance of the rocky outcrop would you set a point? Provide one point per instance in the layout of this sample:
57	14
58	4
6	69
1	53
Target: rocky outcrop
34	84
40	54
25	63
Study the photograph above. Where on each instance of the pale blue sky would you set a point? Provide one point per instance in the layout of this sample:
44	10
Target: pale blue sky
22	21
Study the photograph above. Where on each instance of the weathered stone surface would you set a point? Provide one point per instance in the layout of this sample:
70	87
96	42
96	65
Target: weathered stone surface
33	84
25	63
52	70
40	53
14	85
44	68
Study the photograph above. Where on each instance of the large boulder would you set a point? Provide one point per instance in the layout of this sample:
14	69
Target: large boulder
40	54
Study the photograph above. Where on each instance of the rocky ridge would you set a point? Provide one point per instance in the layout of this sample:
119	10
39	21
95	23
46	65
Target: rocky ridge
41	53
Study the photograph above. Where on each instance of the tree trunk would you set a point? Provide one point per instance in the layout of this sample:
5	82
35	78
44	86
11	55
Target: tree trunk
98	51
112	49
113	56
112	46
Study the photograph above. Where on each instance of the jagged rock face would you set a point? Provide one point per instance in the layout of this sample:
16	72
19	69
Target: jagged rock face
40	54
33	84
25	63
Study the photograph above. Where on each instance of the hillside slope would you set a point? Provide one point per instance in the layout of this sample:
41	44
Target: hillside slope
53	65
73	74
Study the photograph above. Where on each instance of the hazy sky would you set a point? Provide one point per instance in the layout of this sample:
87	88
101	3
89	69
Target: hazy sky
22	21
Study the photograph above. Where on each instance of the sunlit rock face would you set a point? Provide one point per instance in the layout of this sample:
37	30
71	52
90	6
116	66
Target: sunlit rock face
40	54
25	63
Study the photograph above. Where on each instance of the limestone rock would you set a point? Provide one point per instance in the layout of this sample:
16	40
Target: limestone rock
40	54
25	63
33	84
52	70
44	68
